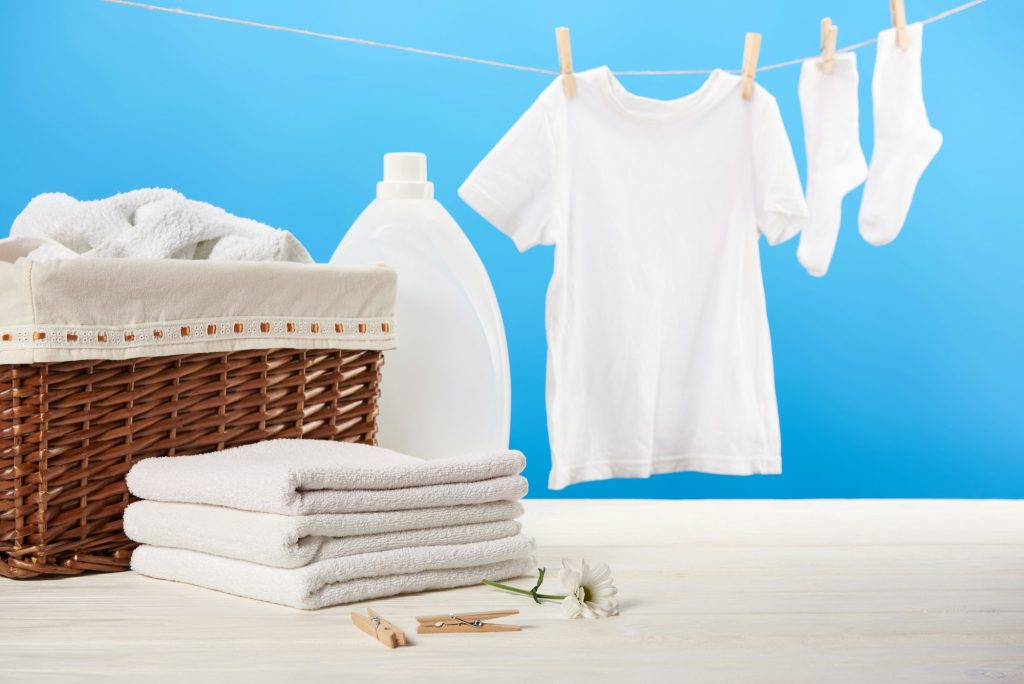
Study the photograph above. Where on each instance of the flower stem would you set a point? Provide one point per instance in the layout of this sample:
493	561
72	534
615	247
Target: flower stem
517	590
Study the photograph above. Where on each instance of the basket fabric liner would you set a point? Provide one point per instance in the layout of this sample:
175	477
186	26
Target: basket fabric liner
81	309
104	362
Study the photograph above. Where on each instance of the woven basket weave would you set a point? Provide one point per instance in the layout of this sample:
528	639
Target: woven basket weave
70	431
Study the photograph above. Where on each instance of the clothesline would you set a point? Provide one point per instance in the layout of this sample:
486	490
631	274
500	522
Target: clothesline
488	62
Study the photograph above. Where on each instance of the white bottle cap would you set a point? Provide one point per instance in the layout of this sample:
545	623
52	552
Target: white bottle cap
405	177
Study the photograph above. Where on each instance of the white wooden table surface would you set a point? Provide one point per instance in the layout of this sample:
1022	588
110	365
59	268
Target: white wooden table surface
712	591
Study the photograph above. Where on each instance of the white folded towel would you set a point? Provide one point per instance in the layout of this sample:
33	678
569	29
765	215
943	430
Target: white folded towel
343	580
300	477
152	223
291	541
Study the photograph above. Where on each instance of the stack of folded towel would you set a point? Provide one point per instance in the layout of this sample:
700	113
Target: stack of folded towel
311	524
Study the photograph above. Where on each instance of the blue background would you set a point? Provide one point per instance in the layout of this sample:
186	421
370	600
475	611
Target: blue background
898	375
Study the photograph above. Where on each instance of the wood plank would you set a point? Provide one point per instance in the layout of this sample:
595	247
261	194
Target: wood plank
712	591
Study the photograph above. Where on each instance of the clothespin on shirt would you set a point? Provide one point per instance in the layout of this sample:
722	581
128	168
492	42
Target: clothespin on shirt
565	61
465	623
899	22
379	628
751	49
829	35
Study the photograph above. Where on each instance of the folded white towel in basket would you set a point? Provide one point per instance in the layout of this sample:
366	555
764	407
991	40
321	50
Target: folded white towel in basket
301	477
291	541
343	580
152	223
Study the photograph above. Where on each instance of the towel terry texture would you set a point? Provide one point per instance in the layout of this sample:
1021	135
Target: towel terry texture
300	477
343	580
309	524
291	541
151	223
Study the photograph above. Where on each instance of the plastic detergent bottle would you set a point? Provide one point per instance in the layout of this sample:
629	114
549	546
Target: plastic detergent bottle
446	390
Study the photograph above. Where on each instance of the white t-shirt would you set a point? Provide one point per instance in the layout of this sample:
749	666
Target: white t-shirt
659	357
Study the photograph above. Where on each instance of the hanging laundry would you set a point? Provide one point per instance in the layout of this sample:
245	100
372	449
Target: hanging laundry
835	161
659	351
905	142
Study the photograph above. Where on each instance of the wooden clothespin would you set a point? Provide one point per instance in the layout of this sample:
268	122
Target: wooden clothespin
899	22
829	35
465	623
751	49
379	628
565	60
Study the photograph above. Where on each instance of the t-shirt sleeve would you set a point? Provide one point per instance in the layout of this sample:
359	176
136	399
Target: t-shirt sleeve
515	187
780	207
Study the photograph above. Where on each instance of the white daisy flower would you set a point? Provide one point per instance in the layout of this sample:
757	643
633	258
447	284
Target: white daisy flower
590	591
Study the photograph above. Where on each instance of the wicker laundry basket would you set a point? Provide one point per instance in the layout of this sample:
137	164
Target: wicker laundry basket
89	403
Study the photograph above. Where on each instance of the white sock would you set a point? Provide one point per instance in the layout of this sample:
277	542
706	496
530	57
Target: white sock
835	161
905	142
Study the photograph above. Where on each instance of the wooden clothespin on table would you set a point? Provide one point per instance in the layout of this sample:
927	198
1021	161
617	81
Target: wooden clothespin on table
379	628
829	35
751	49
899	22
565	60
465	623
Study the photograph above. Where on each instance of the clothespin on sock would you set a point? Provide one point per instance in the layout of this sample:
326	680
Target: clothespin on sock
829	35
751	49
379	628
465	623
899	22
565	60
